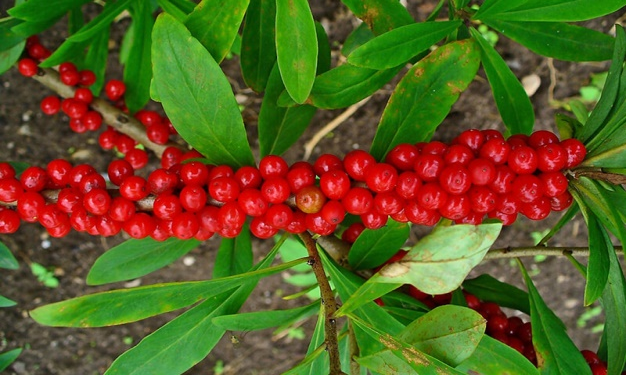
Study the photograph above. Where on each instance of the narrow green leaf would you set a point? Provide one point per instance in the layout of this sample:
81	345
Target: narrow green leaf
386	363
75	20
600	247
192	333
258	43
449	333
316	361
493	357
9	357
8	38
5	302
367	292
196	95
399	45
234	255
138	66
216	23
102	20
556	353
136	258
380	15
323	49
129	305
296	47
280	127
343	86
568	126
359	36
558	10
96	59
490	7
596	198
439	262
176	12
258	320
68	51
558	40
32	9
373	247
488	288
7	260
28	28
511	99
425	95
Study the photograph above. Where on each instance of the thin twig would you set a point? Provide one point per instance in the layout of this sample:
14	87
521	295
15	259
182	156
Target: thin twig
310	145
515	252
112	116
328	303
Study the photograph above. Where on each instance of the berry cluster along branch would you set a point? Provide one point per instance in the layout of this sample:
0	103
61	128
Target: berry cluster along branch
113	116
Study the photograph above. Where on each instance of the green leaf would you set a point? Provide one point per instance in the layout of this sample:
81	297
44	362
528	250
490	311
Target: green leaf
493	357
5	302
343	86
196	95
215	24
234	255
359	36
568	126
136	258
557	10
556	353
600	246
28	28
425	95
386	363
32	10
68	51
316	360
511	99
558	40
380	15
490	7
258	320
7	260
439	262
373	247
192	333
10	56
258	43
179	9
75	20
296	47
280	127
449	333
9	357
613	301
129	305
138	66
323	49
96	59
8	38
398	46
102	20
488	288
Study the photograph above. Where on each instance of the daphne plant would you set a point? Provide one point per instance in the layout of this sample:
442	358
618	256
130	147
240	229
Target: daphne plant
385	305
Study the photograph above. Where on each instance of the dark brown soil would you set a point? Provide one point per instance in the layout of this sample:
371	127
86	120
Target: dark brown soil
27	135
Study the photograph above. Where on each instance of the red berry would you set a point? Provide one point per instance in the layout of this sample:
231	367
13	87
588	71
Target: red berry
523	160
316	224
208	217
224	189
327	162
9	221
460	154
78	126
503	180
590	357
273	166
429	167
517	141
527	188
249	177
148	118
575	151
66	66
167	206
335	184
34	179
481	171
27	67
492	134
193	198
29	206
73	108
408	185
381	177
420	215
50	105
122	209
134	188
114	90
542	137
598	369
81	221
561	202
118	170
58	171
87	77
185	225
456	207
97	201
163	230
92	120
357	162
455	179
158	133
90	182
37	51
482	199
108	138
138	158
220	171
389	203
551	157
299	176
508	204
553	183
506	219
171	156
194	173
474	218
231	216
434	148
298	223
402	156
374	219
6	171
352	232
278	216
472	301
60	231
472	138
357	201
10	190
51	216
333	212
275	190
252	202
495	150
78	173
525	333
69	199
538	209
261	228
432	196
140	225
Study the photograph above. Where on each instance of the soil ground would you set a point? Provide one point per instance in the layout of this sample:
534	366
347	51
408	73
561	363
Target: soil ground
29	136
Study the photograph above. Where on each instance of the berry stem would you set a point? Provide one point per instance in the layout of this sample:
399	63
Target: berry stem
328	303
112	116
515	252
599	174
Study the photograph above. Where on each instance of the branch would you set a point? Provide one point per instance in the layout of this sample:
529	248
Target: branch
328	302
112	116
515	252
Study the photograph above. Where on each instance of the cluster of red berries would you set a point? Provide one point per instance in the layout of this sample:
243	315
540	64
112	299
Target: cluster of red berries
83	119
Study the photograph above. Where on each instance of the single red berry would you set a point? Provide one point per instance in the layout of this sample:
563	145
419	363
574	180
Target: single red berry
335	184
333	212
9	221
82	221
87	78
416	293
34	179
134	188
10	190
381	177
472	138
400	217
590	357
551	157
352	232
140	225
357	162
298	223
472	301
432	196
193	154
124	143
503	180
523	160
194	173
50	105
517	141
316	224
58	171
167	206
224	189
273	166
278	216
6	171
527	188
300	176
137	157
231	216
51	216
508	204
434	148
490	134
70	77
29	206
389	203
429	167
158	133
408	185
496	151
185	225
474	218
482	199
108	138
118	170
357	201
220	171
38	51
163	230
78	172
161	181
525	333
83	94
598	369
73	108
97	201
553	183
171	156
92	120
575	151
460	154
252	202
402	156
275	190
114	90
78	126
456	207
420	215
208	217
538	209
122	209
373	219
455	179
248	177
148	118
514	323
542	137
193	198
27	67
506	219
561	202
90	182
60	231
261	228
66	66
327	162
69	199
